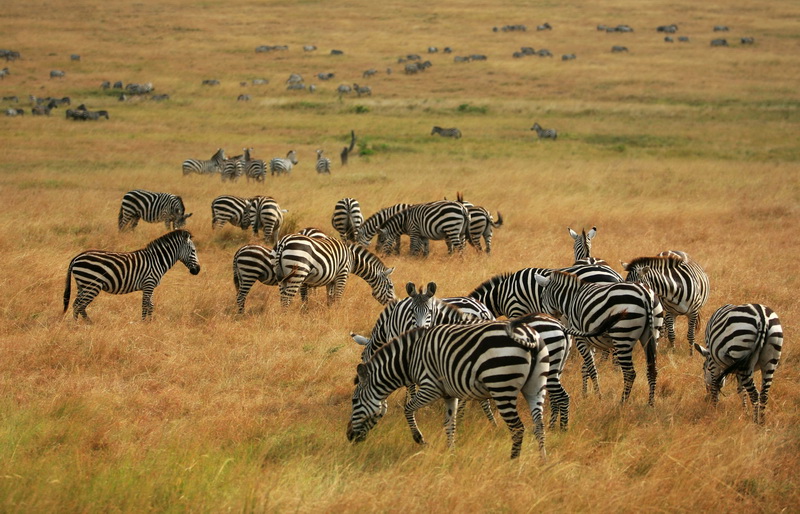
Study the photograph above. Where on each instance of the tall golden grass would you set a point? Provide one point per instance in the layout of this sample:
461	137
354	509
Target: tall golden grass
670	146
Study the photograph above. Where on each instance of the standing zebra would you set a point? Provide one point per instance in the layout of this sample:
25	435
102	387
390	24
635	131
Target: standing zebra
544	133
585	305
253	168
152	208
681	284
267	216
278	166
481	224
741	339
251	263
232	168
323	261
495	359
583	243
447	132
347	219
372	225
423	222
230	209
323	163
213	165
126	272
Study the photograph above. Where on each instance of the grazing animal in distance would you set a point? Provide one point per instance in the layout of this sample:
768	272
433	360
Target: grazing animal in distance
213	165
544	133
323	163
447	132
279	165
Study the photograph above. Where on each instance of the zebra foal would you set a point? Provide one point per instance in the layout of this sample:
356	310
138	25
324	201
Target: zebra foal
126	272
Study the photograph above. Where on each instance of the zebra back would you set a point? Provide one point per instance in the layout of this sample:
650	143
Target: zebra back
372	225
213	165
152	208
230	209
252	263
323	163
347	219
267	216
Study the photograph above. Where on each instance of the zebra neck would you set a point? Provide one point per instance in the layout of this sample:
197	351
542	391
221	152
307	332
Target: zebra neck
391	365
165	256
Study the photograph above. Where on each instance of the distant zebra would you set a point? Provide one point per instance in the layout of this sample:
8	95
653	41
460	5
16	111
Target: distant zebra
681	284
447	132
544	133
213	165
496	359
152	208
254	169
230	209
423	222
126	272
252	263
232	168
323	163
323	261
481	225
278	165
344	89
362	90
372	226
266	216
347	219
583	243
57	74
739	340
585	305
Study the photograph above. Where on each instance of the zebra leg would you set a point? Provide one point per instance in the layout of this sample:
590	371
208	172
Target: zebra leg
628	373
746	381
147	301
559	403
508	410
487	236
423	397
669	321
83	298
588	368
451	406
245	284
694	318
486	405
289	289
766	382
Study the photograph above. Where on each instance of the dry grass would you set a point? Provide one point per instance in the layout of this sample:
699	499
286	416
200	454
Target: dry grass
667	147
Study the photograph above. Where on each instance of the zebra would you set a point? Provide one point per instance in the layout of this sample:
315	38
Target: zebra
344	89
719	42
583	243
230	209
213	165
266	216
152	208
544	133
584	305
347	219
252	263
323	261
495	359
57	74
232	168
253	168
323	163
741	339
280	165
618	49
481	224
447	132
681	284
126	272
362	90
372	225
422	222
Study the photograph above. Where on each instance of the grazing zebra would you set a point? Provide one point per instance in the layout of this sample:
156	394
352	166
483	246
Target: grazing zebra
585	305
583	243
152	208
347	219
618	48
741	339
447	132
423	222
126	272
57	74
372	225
232	168
362	90
323	163
719	42
280	165
495	359
344	89
230	209
544	133
213	165
266	216
681	284
253	168
481	224
252	263
324	261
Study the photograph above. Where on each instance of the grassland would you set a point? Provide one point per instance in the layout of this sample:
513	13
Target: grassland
670	146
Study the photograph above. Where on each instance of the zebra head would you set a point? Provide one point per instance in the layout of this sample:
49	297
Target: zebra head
713	375
180	221
638	271
549	295
368	407
292	156
422	303
187	253
383	290
583	242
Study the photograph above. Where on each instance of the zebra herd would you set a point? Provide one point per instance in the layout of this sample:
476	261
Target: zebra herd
232	168
456	348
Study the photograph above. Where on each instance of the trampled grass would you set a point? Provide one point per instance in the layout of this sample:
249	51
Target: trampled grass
669	146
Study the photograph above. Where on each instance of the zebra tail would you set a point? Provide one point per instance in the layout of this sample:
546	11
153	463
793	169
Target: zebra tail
120	217
604	327
68	287
236	280
499	222
512	326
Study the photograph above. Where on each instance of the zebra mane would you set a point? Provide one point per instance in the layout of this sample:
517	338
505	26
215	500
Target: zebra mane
673	260
367	256
567	276
180	235
489	283
414	334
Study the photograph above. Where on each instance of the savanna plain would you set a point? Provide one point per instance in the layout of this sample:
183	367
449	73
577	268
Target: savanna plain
668	146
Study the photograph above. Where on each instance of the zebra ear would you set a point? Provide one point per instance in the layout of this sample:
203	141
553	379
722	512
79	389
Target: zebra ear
363	341
411	289
541	280
431	289
388	272
703	351
188	215
625	265
361	371
591	233
572	233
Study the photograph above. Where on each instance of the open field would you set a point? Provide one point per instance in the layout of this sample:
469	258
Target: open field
667	146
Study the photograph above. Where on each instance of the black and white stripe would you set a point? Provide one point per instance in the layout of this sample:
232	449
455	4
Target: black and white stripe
230	209
152	208
279	166
447	132
232	168
481	224
423	222
372	225
544	133
252	263
126	272
213	165
582	248
495	359
323	261
681	284
266	216
254	169
323	163
585	306
741	339
347	219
